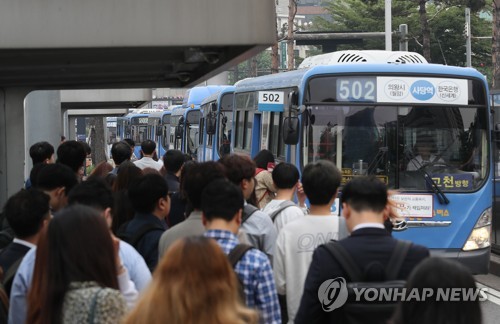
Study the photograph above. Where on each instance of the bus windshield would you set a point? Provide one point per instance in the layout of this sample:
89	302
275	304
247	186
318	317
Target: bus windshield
401	145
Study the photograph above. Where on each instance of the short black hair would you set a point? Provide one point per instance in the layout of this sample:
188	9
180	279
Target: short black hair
148	147
320	181
34	174
57	175
365	194
198	177
221	199
129	141
173	160
285	175
41	151
93	192
120	152
72	154
145	192
26	210
263	158
87	147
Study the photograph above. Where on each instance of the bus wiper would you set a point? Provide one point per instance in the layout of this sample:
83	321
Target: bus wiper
443	200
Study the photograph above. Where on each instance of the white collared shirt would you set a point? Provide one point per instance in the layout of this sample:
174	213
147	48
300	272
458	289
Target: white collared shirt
368	225
23	242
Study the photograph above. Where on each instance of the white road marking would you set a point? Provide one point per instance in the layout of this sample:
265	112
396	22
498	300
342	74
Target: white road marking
493	295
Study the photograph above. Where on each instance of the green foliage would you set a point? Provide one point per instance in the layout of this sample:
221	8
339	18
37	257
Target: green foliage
446	21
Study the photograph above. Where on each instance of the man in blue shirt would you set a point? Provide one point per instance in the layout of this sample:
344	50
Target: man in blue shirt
96	194
222	204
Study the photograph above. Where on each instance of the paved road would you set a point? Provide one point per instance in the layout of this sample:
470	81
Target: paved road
491	307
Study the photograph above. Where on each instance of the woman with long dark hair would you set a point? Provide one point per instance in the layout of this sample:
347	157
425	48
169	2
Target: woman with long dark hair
193	283
76	271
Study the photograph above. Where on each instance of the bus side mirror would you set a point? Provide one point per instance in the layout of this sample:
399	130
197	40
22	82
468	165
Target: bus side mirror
178	132
213	107
496	136
291	130
210	125
159	131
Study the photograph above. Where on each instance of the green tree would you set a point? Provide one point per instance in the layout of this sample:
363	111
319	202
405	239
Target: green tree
444	21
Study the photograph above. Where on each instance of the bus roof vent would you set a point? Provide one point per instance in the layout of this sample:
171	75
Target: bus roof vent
341	57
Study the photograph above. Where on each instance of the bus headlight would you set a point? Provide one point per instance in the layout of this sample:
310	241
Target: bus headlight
480	235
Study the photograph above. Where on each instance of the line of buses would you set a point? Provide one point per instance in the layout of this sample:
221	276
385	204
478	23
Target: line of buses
364	111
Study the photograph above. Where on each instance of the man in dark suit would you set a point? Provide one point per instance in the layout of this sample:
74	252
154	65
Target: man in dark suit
27	213
364	206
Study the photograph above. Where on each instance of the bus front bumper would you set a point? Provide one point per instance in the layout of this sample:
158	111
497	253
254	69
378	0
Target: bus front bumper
478	261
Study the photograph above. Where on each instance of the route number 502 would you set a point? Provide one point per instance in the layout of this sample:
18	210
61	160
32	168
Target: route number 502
356	90
275	97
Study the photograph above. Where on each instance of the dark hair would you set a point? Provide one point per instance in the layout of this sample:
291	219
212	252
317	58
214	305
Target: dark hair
41	151
127	172
148	147
25	212
173	160
238	167
72	154
145	192
320	181
129	141
34	174
285	175
94	193
53	176
221	199
365	194
198	177
61	258
263	158
439	273
87	147
120	152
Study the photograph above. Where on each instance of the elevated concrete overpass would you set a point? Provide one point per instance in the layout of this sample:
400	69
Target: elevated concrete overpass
112	44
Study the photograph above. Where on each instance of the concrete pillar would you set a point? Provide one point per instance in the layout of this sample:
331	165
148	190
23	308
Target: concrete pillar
12	146
64	123
72	128
42	121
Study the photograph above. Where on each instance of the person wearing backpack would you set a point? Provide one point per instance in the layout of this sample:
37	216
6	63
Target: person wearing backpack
257	225
365	256
298	239
222	205
149	197
282	209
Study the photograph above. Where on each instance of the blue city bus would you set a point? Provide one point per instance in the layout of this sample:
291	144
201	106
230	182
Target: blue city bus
185	133
216	125
122	123
495	232
185	130
137	130
368	112
159	130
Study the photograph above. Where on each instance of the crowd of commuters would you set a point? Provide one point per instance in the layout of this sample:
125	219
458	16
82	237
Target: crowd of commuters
237	240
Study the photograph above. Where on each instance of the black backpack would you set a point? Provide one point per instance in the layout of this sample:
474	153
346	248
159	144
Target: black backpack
363	311
234	257
133	239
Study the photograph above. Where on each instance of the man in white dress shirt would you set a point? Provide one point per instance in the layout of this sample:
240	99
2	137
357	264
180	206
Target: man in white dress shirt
148	148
